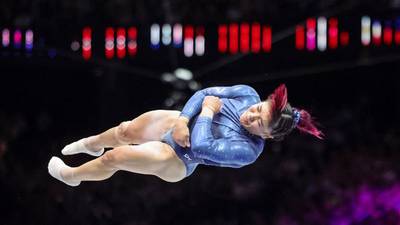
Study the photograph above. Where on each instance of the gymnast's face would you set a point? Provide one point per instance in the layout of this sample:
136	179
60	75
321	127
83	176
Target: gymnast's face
256	119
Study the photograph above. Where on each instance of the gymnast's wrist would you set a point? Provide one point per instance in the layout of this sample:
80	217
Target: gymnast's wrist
207	112
183	120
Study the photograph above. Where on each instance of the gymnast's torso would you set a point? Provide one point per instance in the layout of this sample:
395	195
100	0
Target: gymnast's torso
220	141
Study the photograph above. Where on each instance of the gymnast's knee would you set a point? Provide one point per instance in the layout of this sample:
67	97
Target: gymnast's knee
123	133
110	159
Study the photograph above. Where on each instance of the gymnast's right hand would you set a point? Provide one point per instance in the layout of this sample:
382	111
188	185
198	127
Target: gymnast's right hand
180	132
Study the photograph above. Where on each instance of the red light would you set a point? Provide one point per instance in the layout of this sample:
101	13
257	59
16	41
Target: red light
255	37
188	41
333	32
244	38
344	38
132	41
109	45
233	38
397	37
311	23
189	32
121	40
376	40
132	33
87	32
376	33
87	43
387	35
17	37
333	22
222	38
300	40
267	39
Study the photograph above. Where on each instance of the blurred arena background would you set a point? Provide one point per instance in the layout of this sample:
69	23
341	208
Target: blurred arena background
69	69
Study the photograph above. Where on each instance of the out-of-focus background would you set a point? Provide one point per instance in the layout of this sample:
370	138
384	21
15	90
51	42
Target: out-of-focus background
70	69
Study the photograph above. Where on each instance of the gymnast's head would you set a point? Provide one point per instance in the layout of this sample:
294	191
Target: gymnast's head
275	118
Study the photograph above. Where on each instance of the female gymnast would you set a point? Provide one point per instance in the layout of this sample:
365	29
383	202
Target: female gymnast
218	126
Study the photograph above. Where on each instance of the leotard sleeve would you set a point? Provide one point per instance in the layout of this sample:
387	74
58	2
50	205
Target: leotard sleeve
228	152
193	106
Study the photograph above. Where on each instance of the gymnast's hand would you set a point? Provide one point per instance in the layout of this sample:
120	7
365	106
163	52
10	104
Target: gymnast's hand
180	132
211	106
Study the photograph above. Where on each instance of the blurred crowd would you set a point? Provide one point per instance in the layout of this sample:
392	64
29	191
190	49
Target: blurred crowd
351	177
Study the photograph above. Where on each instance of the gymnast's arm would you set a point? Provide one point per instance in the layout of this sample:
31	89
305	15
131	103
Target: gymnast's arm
193	106
180	131
228	153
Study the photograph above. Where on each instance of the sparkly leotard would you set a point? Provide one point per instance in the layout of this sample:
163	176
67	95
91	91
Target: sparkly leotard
220	141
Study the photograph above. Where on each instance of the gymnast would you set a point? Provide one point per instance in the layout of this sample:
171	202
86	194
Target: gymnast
218	126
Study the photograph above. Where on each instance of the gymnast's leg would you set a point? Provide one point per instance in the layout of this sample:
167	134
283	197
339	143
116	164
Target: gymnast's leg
151	158
149	126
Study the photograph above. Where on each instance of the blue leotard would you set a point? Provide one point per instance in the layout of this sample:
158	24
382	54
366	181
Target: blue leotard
220	141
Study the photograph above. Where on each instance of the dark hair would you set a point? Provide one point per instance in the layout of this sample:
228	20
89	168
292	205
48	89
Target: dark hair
283	117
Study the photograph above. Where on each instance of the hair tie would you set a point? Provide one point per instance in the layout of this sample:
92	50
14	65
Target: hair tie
296	118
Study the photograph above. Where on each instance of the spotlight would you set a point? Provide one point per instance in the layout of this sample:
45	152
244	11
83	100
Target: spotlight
168	77
183	74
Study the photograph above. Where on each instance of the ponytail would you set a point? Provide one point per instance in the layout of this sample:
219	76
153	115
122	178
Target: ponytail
295	118
306	124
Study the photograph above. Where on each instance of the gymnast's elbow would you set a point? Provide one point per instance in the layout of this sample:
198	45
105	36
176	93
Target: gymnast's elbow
249	159
244	155
243	161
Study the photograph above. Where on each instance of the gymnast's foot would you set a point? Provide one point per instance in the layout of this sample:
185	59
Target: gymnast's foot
56	169
80	147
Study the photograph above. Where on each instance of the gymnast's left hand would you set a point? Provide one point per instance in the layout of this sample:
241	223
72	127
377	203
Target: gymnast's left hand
212	103
180	132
